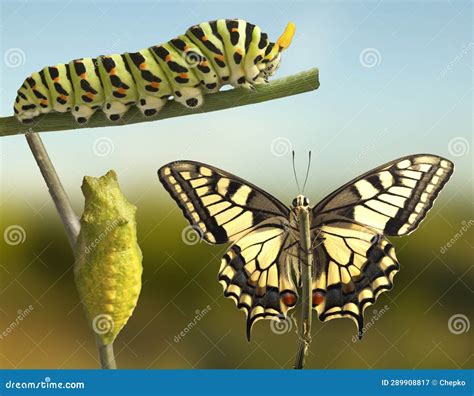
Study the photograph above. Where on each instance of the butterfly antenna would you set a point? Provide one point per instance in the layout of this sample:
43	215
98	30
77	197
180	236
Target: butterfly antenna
307	170
294	172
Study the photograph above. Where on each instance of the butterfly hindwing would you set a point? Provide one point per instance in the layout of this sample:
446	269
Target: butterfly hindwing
392	199
254	272
354	265
220	205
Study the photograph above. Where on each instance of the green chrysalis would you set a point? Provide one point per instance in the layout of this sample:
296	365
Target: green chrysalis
108	259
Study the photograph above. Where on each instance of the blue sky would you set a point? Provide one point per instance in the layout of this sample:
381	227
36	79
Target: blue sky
396	79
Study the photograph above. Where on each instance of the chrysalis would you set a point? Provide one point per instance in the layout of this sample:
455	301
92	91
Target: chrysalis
108	259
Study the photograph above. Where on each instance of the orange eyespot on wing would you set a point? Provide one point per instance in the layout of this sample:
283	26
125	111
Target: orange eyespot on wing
289	298
318	298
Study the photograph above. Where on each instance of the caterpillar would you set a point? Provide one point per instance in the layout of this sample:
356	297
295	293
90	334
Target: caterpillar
209	55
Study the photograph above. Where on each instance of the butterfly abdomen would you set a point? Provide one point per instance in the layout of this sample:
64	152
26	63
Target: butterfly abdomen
186	68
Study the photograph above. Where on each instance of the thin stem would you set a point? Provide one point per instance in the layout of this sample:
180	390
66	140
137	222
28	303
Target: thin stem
292	85
68	218
56	189
106	354
307	289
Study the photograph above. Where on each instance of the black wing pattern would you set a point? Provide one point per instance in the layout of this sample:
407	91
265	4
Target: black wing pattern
220	205
354	260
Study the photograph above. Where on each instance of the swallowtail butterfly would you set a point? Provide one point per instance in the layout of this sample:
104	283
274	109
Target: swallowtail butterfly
353	261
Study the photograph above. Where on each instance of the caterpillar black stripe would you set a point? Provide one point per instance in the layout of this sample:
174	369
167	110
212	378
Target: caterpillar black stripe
200	62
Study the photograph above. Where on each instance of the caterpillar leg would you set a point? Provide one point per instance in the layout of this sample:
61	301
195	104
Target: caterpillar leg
82	113
114	111
190	97
244	84
26	117
151	105
27	113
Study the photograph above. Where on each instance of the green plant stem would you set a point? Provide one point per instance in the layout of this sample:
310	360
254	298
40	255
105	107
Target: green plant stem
106	354
68	218
56	189
292	85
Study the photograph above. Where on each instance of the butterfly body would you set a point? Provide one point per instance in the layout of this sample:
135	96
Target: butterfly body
303	215
335	255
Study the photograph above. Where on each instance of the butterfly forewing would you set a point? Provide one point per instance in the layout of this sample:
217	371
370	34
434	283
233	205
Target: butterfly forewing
354	260
221	206
392	199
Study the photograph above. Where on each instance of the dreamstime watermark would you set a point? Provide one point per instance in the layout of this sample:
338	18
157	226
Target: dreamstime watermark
21	315
103	147
370	148
459	324
378	313
45	384
107	230
192	58
280	146
281	324
14	235
103	324
465	226
370	57
464	51
14	57
200	314
459	146
192	235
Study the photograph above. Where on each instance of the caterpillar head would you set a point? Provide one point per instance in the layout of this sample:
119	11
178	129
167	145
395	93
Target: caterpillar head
272	59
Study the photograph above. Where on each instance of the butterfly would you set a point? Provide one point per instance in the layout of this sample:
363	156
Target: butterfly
343	238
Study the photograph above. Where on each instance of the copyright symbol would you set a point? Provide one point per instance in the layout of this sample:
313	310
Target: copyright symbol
434	382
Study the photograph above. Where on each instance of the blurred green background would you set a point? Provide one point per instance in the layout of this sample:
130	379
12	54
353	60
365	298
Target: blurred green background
414	96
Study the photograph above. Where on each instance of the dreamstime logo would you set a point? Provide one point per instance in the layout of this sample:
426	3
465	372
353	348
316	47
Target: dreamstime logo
103	324
200	314
370	148
466	49
191	235
14	235
14	57
280	146
465	226
281	324
192	58
459	146
103	147
107	230
21	315
458	324
378	313
370	57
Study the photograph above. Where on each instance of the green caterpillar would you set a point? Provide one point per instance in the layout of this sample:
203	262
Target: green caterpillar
108	259
200	62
